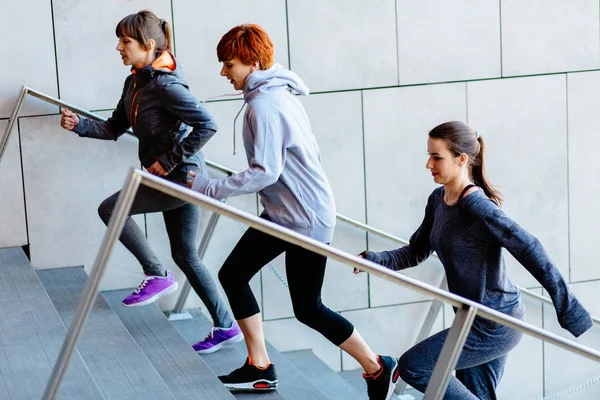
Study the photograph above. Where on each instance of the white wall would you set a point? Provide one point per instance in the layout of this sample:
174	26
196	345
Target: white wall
524	74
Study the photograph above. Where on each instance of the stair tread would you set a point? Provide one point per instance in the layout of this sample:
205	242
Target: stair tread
119	367
31	336
184	373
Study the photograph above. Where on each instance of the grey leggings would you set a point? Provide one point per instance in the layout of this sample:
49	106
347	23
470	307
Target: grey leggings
181	220
480	365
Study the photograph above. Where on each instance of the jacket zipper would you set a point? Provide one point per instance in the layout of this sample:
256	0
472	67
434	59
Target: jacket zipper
132	115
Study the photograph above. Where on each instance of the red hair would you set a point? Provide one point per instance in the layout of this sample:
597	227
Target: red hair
250	43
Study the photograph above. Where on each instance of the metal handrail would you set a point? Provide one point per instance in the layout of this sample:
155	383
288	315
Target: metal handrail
186	288
467	309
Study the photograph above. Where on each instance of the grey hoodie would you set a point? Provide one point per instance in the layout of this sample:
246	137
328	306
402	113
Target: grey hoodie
283	157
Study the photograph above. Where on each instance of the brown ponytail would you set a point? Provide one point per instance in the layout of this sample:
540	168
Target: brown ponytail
461	138
145	25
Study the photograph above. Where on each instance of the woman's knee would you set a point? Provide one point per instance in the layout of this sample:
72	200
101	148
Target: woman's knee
303	317
229	279
307	314
185	256
105	210
411	371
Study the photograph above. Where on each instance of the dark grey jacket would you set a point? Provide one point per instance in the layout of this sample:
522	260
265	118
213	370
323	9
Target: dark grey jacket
468	238
157	104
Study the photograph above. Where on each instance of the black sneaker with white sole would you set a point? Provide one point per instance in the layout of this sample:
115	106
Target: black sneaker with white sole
250	377
380	386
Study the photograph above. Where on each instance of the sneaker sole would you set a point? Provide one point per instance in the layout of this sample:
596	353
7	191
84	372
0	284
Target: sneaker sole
236	339
393	380
170	290
260	385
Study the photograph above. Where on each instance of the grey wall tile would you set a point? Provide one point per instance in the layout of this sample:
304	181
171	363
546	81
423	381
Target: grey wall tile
27	41
584	174
13	228
333	45
440	41
549	36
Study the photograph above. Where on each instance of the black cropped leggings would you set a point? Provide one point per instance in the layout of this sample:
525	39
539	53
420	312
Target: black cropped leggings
305	273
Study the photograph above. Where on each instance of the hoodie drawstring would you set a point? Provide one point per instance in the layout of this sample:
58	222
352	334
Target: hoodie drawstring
234	121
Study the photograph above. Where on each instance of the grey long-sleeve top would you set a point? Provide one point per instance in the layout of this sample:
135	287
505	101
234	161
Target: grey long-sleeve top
468	238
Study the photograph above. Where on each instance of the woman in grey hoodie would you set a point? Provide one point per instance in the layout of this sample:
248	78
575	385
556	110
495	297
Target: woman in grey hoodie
285	170
157	104
467	229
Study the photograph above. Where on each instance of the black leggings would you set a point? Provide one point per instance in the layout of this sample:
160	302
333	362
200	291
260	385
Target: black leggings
305	273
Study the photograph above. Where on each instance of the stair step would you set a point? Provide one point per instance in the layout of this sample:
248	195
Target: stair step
31	336
184	373
118	366
328	381
292	384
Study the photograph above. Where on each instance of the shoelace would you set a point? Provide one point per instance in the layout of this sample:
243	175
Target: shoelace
143	284
210	334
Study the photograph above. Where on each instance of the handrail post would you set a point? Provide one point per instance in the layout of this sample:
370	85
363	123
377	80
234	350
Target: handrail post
185	291
434	311
11	121
90	291
446	363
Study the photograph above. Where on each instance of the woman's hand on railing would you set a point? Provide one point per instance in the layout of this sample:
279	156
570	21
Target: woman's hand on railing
361	255
69	120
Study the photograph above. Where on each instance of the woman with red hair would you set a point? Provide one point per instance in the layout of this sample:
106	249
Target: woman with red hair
285	169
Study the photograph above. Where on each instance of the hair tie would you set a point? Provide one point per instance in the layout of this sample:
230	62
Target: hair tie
162	21
476	135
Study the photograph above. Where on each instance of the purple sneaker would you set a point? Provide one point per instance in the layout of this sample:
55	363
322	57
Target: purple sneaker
151	289
219	337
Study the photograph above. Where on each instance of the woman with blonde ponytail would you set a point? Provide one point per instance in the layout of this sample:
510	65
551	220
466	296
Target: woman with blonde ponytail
467	229
172	127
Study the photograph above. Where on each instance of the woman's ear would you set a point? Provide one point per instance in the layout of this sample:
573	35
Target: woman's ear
150	45
255	66
463	159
